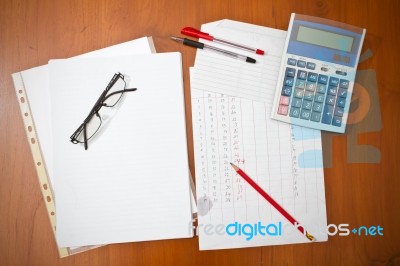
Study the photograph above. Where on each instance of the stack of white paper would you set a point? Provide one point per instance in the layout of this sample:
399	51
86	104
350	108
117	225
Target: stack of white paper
132	183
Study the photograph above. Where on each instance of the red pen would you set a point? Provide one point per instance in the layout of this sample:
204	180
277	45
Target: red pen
276	205
189	31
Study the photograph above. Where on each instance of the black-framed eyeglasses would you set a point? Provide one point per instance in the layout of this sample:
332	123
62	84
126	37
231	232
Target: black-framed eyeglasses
109	98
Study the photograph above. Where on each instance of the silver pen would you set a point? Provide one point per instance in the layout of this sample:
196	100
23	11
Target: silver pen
200	45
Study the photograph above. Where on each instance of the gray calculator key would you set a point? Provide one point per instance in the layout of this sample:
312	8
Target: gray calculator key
296	102
341	102
312	77
300	83
301	63
290	72
339	111
310	65
337	121
309	95
317	107
298	93
333	81
321	88
332	90
305	114
301	74
286	91
330	100
319	97
311	86
322	79
307	104
288	81
327	114
291	61
344	83
342	93
315	116
294	112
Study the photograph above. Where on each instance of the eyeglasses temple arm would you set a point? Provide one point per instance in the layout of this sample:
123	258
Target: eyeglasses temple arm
85	136
120	91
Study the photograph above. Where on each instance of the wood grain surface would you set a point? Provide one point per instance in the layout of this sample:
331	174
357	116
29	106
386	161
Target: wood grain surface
357	192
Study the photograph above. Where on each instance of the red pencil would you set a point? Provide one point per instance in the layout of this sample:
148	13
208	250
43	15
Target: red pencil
276	205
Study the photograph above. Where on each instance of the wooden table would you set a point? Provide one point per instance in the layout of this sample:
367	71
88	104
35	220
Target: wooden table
357	192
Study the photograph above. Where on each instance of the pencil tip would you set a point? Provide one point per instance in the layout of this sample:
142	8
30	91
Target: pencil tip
311	237
234	167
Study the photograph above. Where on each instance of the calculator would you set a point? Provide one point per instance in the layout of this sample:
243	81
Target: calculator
317	73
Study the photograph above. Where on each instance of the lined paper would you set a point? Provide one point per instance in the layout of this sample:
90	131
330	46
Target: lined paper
251	81
135	174
231	104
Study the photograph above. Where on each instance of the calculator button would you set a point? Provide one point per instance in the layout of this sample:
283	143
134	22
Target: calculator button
284	100
339	111
317	107
333	81
310	65
305	114
283	109
309	95
312	77
295	112
327	114
311	86
316	117
301	74
332	90
325	69
321	88
307	105
330	100
298	93
322	79
342	73
319	97
301	63
288	81
341	102
300	84
342	93
343	83
296	102
291	61
286	91
337	121
290	72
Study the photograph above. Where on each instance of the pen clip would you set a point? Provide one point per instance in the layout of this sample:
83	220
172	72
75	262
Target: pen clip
189	31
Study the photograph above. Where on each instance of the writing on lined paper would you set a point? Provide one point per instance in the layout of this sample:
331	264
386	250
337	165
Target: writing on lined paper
231	129
231	110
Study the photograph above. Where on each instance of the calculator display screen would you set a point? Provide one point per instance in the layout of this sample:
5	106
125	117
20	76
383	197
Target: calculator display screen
325	38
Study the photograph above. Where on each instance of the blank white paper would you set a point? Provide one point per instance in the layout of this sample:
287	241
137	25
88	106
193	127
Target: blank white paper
36	82
132	183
